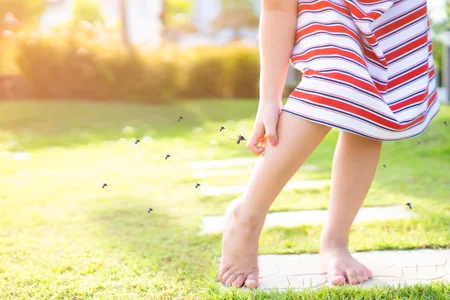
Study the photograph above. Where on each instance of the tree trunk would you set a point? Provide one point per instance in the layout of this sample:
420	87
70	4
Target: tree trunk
124	21
163	19
236	36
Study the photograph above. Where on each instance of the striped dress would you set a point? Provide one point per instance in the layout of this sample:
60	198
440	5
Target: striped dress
367	67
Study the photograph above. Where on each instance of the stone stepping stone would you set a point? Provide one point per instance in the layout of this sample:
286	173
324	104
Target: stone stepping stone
222	164
238	171
215	224
390	268
237	189
223	173
20	156
237	162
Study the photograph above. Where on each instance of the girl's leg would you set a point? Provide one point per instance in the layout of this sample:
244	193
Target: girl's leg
354	165
297	139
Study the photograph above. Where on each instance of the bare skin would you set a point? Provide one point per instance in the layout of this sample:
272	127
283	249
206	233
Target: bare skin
245	216
354	165
297	139
286	142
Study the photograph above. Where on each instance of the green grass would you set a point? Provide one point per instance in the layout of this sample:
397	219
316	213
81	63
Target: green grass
62	236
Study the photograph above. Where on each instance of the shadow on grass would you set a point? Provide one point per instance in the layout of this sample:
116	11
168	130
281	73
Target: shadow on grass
162	241
30	124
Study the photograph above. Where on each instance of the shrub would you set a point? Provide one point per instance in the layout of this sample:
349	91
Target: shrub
81	65
203	70
242	72
87	10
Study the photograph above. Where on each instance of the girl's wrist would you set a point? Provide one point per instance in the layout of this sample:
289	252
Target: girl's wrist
270	99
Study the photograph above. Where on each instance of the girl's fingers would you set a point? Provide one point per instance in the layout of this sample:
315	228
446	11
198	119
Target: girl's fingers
255	138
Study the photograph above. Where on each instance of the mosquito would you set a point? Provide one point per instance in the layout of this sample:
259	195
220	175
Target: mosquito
384	166
222	128
137	142
239	139
197	186
180	118
150	210
104	185
445	123
166	157
419	143
409	204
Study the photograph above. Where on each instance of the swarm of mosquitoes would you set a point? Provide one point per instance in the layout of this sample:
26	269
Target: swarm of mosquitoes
240	138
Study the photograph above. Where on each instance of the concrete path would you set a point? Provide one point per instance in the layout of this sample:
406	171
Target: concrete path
236	162
238	189
214	224
222	164
241	170
390	268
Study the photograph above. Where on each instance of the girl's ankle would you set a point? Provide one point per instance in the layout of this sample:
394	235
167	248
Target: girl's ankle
247	217
333	238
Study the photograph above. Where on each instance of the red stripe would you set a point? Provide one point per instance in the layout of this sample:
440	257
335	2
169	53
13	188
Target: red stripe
413	100
321	5
336	29
331	102
329	51
407	48
416	99
380	32
370	2
382	87
348	79
407	76
431	73
359	14
432	99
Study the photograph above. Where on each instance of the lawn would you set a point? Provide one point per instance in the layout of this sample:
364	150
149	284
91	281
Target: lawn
64	237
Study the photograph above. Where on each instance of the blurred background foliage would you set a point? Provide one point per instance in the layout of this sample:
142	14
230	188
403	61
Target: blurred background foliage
27	11
236	15
85	58
87	10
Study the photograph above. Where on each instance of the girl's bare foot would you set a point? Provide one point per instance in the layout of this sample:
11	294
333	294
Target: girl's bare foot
341	267
338	263
239	262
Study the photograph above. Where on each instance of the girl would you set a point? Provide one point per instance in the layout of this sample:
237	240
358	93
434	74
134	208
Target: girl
368	70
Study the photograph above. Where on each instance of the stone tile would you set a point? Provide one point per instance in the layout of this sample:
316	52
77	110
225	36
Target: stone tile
229	172
214	224
299	272
222	164
20	156
238	189
221	173
236	162
307	281
274	282
386	272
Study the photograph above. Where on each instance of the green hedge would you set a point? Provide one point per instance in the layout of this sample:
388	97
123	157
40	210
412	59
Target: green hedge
73	67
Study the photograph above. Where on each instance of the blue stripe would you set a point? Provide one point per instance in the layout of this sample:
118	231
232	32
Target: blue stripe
419	36
344	112
418	65
354	87
403	28
408	54
367	136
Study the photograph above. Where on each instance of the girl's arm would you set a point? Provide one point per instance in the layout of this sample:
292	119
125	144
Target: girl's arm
278	27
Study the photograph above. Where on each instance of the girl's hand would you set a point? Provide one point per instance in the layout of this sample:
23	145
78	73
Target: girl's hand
265	126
